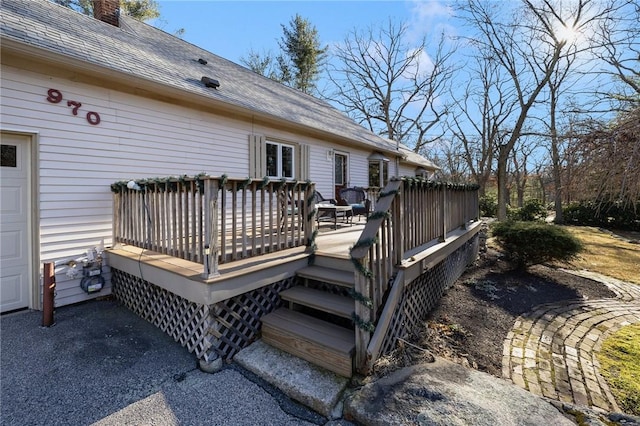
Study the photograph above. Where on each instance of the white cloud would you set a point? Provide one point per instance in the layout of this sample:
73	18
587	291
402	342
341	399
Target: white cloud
429	9
431	18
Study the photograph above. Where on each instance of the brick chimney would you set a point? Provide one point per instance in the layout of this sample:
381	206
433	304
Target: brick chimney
107	11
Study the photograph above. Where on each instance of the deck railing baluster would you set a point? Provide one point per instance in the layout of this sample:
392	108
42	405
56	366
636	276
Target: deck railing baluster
408	215
169	215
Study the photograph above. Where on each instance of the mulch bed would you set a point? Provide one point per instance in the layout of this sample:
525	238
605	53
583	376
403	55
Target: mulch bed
472	320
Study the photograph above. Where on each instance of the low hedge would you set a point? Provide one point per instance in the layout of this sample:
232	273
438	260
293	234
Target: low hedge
531	210
607	214
532	243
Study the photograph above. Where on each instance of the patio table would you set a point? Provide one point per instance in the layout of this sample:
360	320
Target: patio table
333	211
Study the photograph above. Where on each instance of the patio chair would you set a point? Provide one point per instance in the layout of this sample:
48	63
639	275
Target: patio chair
357	199
328	215
319	199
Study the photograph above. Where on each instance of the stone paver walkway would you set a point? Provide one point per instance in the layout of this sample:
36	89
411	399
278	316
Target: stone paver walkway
551	351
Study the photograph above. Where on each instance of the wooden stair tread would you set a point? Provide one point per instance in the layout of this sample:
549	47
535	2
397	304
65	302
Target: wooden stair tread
312	329
321	300
328	275
324	344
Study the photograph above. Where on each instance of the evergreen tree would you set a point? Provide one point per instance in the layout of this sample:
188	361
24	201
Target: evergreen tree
301	48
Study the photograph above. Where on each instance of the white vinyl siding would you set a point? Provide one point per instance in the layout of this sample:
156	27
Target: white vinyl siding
407	170
136	138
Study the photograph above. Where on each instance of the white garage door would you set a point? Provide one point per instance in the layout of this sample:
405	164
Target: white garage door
14	223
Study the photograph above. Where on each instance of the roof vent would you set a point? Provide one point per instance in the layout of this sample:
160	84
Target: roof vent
202	61
210	82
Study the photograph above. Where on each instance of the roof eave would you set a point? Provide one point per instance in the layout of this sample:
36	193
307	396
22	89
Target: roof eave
137	83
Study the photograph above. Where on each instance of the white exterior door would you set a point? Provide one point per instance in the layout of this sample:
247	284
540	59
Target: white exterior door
14	223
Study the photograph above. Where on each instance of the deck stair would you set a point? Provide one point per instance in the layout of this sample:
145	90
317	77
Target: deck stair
312	326
328	275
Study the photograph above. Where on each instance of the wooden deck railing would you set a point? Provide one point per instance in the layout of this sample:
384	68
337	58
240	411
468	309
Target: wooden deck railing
409	213
213	220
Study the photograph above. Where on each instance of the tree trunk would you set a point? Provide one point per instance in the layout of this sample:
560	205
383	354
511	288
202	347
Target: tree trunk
503	193
557	181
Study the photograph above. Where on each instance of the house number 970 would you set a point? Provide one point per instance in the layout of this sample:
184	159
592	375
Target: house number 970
55	97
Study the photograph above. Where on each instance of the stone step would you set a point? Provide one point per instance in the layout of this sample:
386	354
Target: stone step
341	306
319	342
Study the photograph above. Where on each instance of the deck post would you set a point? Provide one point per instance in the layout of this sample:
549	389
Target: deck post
397	212
465	209
363	313
443	211
309	205
211	248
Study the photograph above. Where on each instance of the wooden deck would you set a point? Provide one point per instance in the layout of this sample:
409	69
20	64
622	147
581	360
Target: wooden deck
185	278
360	270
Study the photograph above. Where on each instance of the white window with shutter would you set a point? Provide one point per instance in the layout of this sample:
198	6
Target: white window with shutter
277	160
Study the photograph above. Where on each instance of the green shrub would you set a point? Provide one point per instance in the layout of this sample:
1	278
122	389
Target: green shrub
606	214
488	205
532	209
532	243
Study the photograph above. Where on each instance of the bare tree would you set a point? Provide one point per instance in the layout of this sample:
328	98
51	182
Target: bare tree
268	65
619	38
528	45
390	86
608	169
520	159
450	157
478	115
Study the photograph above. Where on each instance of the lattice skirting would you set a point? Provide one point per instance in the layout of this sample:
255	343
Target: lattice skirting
422	294
209	331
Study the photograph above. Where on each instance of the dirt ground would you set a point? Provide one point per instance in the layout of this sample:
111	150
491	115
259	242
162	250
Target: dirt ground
473	318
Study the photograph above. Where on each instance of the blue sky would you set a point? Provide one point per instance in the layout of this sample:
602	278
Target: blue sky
231	28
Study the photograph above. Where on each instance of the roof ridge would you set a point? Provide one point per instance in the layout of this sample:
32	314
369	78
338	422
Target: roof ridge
143	51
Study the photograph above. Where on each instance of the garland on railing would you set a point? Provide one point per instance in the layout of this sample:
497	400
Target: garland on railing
199	178
426	183
118	187
361	268
361	298
280	184
386	194
263	183
311	243
244	184
362	324
169	183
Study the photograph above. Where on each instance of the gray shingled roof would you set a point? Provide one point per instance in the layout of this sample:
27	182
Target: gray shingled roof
416	159
146	52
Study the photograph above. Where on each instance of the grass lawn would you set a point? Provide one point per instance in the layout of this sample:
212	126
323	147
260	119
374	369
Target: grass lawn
620	353
620	366
607	255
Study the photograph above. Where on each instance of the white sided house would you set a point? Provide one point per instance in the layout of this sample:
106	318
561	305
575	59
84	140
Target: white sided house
86	103
189	187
